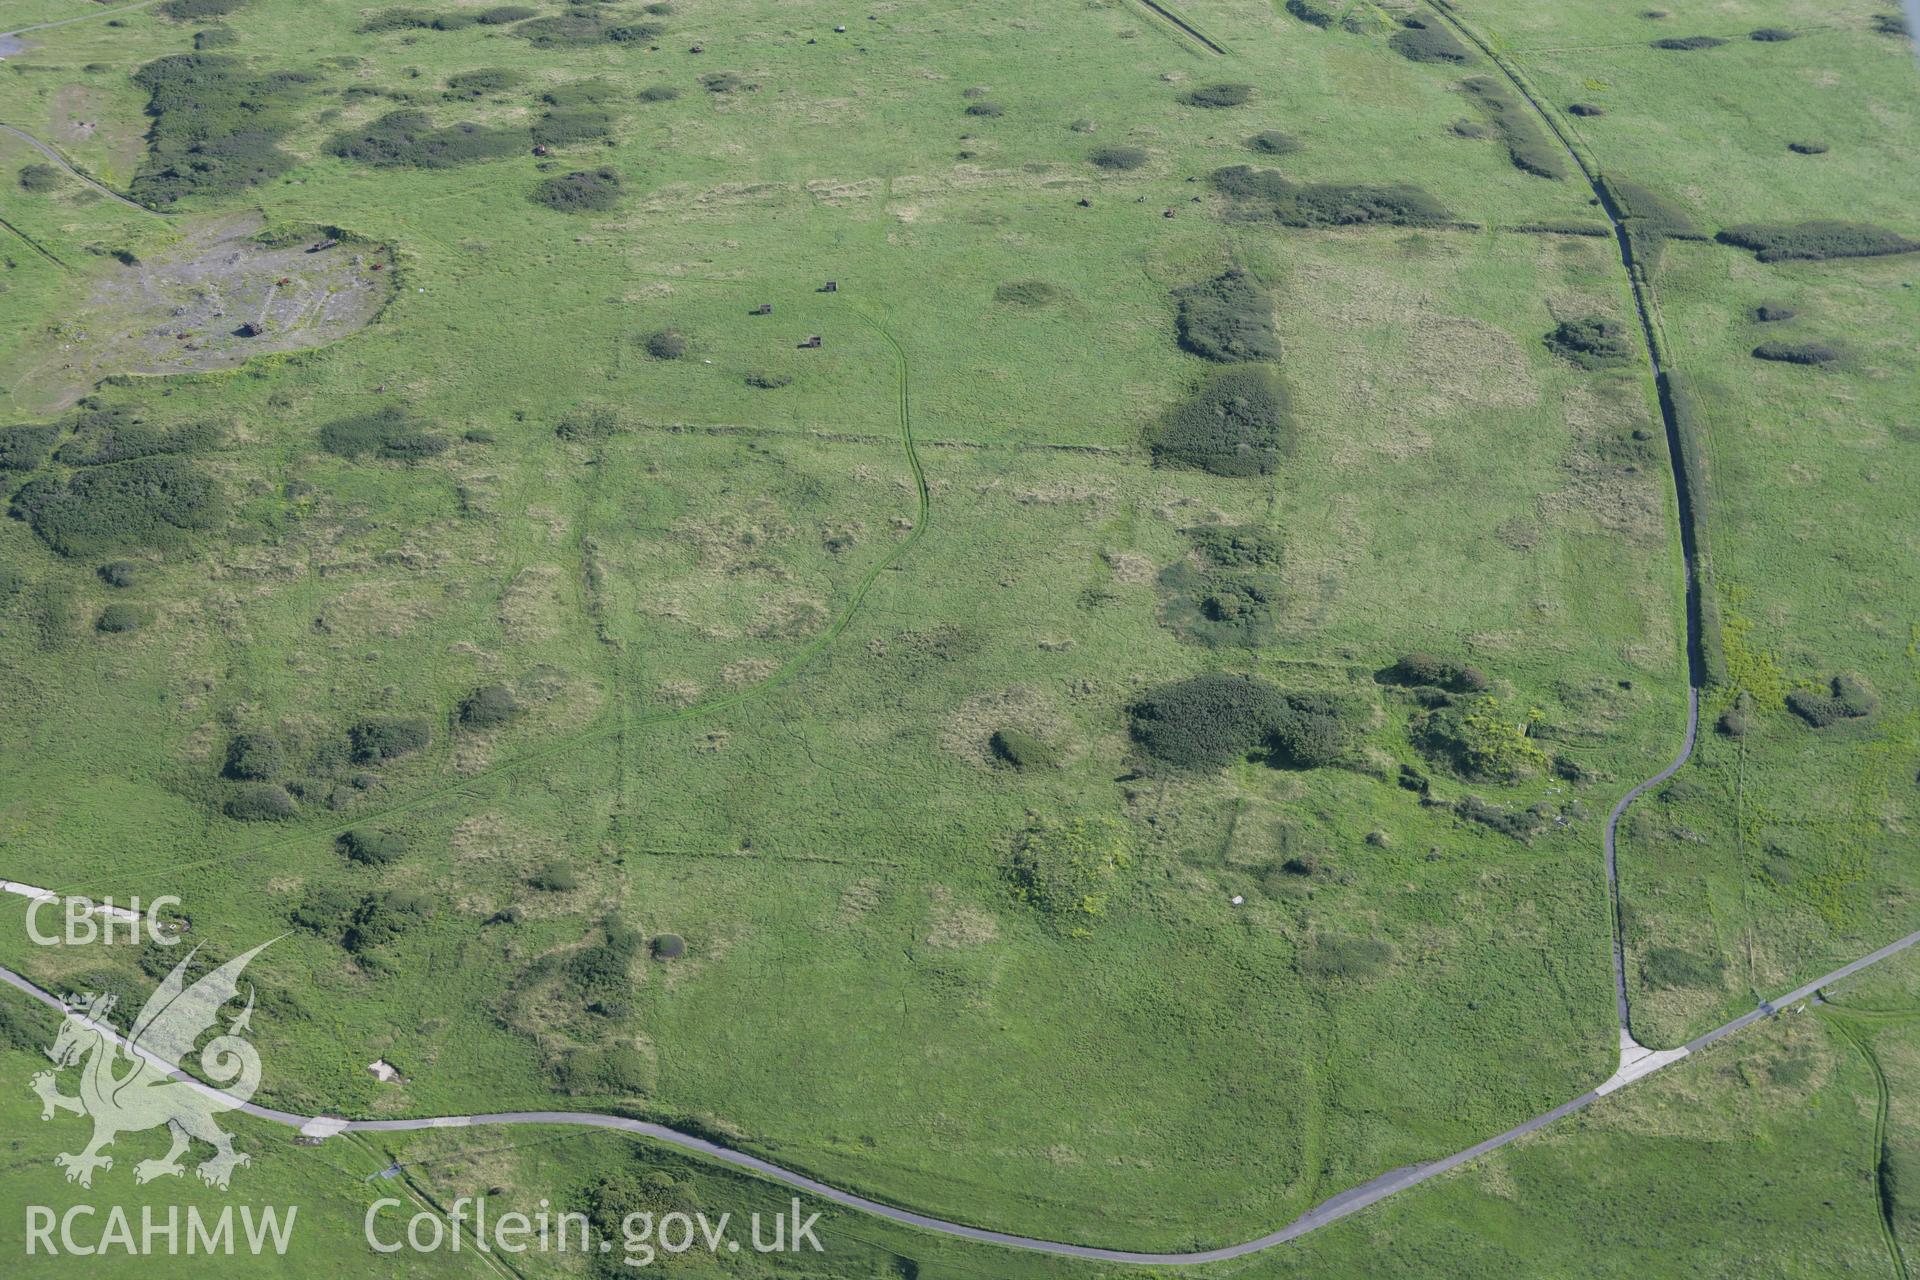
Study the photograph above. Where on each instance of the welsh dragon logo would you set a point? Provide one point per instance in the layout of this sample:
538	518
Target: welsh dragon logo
132	1084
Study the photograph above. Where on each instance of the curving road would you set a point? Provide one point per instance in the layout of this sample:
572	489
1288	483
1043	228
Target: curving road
65	166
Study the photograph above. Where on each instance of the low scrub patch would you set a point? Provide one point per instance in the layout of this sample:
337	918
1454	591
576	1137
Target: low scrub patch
666	344
1207	721
40	178
1527	143
1796	352
1237	546
574	124
1773	312
144	503
378	739
1770	35
1846	697
372	848
986	110
408	139
594	191
1028	293
1586	110
483	83
1213	97
260	802
25	448
1812	241
1237	423
1264	195
1425	670
658	93
488	706
385	433
1664	968
1687	44
1070	870
1522	824
254	756
1228	318
1479	741
573	30
199	10
1222	606
1271	142
216	126
1311	13
1417	41
118	618
1119	158
1592	342
1336	956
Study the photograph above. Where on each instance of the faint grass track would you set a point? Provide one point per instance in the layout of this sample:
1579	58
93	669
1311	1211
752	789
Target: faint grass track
83	17
1180	24
923	508
65	165
1835	1017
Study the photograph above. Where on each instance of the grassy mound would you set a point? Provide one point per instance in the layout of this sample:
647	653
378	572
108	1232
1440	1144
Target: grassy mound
372	848
1773	312
1271	142
1264	195
580	192
1592	342
260	802
1222	606
668	946
555	877
410	140
1527	143
1796	352
1426	671
1236	424
254	756
1586	110
147	502
1228	318
666	344
1478	741
385	433
1814	241
1808	148
575	30
1237	545
117	618
1120	158
40	178
1023	750
488	706
483	83
574	124
1214	97
378	739
1418	41
657	93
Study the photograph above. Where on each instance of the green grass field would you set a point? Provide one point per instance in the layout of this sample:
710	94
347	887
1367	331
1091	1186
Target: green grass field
760	610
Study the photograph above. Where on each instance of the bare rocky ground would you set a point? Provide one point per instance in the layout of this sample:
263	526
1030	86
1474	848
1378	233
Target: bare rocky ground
214	300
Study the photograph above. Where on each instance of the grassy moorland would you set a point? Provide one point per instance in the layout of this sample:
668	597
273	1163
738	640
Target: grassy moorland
1120	730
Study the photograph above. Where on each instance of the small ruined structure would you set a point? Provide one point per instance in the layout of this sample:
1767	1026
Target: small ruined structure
831	286
320	246
764	309
383	1071
250	330
812	341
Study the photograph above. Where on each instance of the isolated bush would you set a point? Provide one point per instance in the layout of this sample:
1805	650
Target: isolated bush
1312	731
377	739
1586	109
1264	195
409	139
669	946
1121	158
580	192
1228	318
987	109
1222	606
666	344
483	83
1242	546
40	178
382	918
1028	293
1737	720
260	802
1781	241
1773	312
581	93
1207	721
1213	97
1808	148
1592	342
1416	670
115	436
1846	697
1271	142
1339	956
603	967
722	82
146	502
1796	352
765	381
1528	145
1023	750
1770	35
25	448
254	756
1689	43
1664	968
1419	42
1891	24
487	706
215	126
501	15
325	909
555	877
1069	870
1237	423
658	93
118	618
